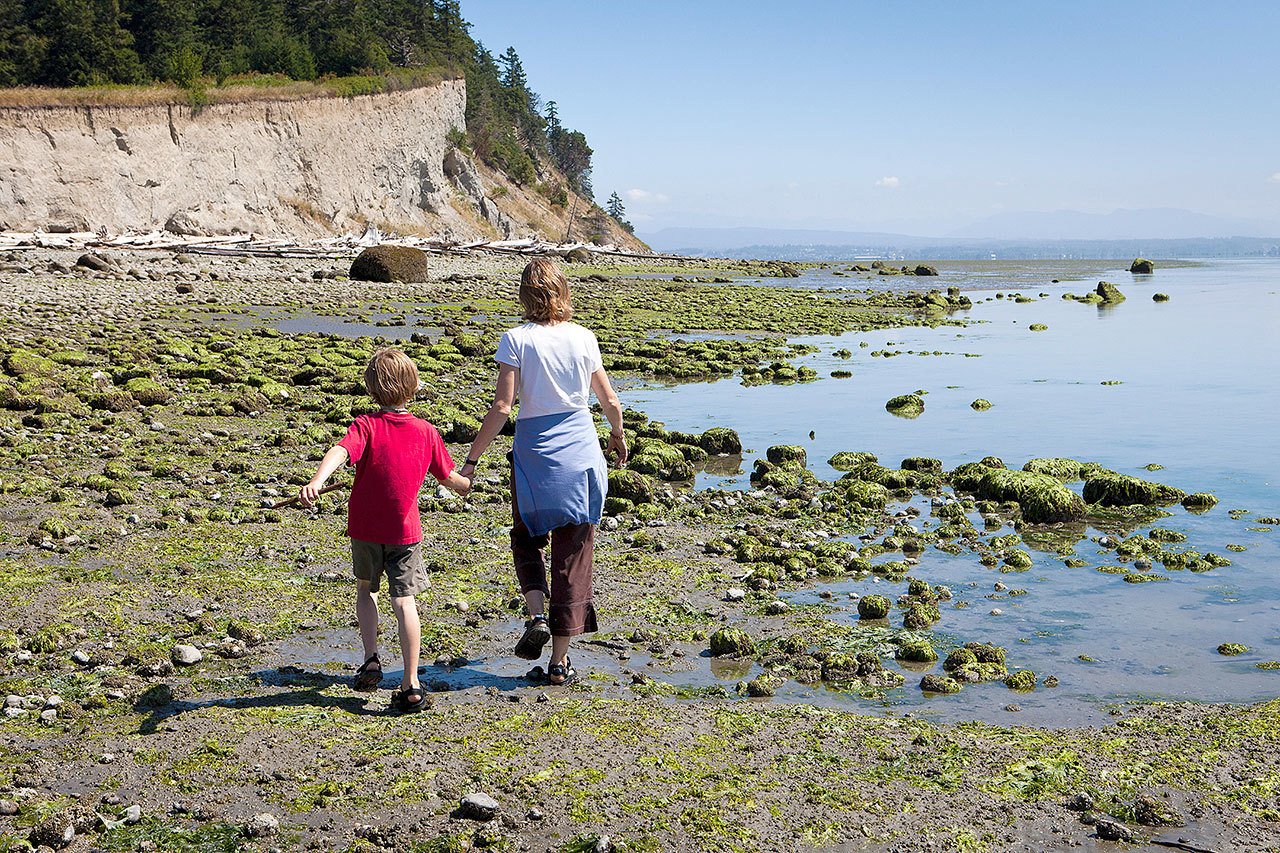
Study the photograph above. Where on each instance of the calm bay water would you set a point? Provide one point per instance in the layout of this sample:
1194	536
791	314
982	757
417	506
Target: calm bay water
1197	394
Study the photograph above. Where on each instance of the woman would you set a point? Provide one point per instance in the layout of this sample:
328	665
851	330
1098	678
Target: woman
559	476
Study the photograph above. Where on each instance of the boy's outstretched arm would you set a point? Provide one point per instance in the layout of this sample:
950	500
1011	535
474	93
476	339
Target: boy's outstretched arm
456	482
332	461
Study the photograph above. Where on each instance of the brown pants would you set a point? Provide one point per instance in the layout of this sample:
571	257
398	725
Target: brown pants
570	610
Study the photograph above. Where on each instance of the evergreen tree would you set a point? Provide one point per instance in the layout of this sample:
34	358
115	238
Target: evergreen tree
615	207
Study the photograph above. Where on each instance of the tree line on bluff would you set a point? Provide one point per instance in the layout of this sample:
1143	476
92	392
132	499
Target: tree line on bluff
65	43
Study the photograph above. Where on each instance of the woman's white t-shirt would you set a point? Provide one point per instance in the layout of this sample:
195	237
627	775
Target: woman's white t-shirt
555	364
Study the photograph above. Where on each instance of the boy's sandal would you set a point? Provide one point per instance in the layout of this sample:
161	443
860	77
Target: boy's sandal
408	701
536	635
369	674
560	674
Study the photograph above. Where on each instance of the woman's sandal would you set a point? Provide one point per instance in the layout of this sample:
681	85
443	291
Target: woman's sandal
536	635
560	674
369	674
404	701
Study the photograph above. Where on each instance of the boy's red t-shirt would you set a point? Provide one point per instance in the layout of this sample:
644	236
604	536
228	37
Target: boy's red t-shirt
393	452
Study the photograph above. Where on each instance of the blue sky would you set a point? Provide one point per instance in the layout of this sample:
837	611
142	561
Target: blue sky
914	117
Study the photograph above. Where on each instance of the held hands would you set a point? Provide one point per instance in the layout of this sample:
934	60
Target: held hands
618	444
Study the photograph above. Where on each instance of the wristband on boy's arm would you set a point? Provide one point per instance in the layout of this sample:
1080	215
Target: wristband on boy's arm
472	462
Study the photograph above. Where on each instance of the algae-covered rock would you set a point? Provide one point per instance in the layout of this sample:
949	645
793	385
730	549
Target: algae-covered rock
390	263
1109	293
873	607
764	685
916	649
933	683
925	269
921	616
111	401
781	454
631	485
1017	559
958	659
922	463
1038	327
1159	297
1142	266
720	441
1023	679
847	460
980	405
617	506
732	642
147	391
1042	499
470	344
863	494
906	405
1063	469
1232	649
1108	488
1200	501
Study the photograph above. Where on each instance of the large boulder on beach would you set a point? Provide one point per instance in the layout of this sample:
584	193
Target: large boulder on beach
1109	488
925	269
390	263
1142	266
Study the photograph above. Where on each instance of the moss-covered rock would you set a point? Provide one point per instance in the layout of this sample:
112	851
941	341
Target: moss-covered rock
1159	297
1109	293
1232	649
1023	679
906	405
933	683
1017	559
980	405
147	391
920	616
1042	499
782	454
922	463
915	649
847	460
732	642
1108	488
390	263
631	485
959	659
1039	327
1063	469
1142	266
873	607
115	400
1200	501
720	441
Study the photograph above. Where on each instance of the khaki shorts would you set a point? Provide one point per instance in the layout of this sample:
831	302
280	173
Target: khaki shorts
402	565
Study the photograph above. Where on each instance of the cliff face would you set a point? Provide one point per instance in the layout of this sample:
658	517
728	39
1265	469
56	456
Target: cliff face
270	167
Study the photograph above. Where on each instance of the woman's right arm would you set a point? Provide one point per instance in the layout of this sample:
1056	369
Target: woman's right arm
608	398
503	399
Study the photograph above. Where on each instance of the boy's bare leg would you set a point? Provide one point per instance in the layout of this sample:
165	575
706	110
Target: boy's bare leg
406	608
535	601
367	617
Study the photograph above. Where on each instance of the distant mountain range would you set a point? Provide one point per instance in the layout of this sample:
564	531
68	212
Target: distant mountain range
1160	232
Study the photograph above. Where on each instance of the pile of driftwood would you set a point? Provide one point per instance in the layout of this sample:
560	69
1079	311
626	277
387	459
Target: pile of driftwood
347	245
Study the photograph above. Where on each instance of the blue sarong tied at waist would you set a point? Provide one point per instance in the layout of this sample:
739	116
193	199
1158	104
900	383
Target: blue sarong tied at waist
560	472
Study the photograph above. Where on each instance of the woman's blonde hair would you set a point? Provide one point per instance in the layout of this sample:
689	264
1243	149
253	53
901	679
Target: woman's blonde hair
544	292
391	378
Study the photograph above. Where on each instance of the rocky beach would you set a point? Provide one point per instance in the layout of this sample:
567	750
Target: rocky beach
177	654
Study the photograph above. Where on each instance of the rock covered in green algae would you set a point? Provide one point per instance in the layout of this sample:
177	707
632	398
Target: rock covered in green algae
1038	327
1142	266
732	642
720	441
1023	679
916	649
873	607
1108	488
1062	468
1041	498
1017	559
1159	297
980	405
925	269
847	460
922	463
906	405
147	391
1232	649
764	685
630	485
1200	501
782	454
921	616
1109	293
933	683
390	263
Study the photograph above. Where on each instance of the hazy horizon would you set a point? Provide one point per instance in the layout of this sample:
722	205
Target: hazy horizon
925	120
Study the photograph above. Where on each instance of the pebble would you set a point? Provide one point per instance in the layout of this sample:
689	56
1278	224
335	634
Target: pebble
535	813
609	523
8	807
49	716
133	814
262	826
996	611
80	656
735	594
53	701
185	655
461	606
478	806
13	701
14	712
776	608
23	656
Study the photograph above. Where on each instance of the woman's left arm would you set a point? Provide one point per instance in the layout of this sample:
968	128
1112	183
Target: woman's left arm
608	398
504	397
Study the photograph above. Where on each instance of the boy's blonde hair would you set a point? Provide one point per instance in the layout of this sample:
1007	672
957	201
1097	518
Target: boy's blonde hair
544	292
391	378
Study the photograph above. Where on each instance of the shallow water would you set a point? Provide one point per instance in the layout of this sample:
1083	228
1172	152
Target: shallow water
1197	395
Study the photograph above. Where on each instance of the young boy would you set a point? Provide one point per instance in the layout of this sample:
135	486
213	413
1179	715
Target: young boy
393	452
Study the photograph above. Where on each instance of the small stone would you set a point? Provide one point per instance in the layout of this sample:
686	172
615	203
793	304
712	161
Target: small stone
461	606
13	701
1110	830
14	712
776	608
80	656
49	716
56	832
133	814
609	523
184	655
262	826
53	701
535	813
996	611
478	806
1079	802
735	594
8	808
